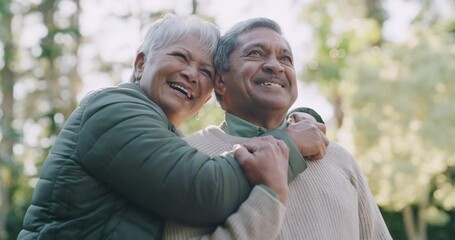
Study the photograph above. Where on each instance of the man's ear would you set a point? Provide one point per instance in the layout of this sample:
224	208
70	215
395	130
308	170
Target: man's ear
219	86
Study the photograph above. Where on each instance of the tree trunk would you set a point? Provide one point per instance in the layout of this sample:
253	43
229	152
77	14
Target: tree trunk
376	11
337	102
75	77
194	5
422	223
409	223
416	227
7	115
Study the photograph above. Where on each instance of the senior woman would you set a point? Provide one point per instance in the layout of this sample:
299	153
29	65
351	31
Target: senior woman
119	166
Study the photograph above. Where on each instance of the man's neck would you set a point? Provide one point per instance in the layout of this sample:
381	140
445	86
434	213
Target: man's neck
266	120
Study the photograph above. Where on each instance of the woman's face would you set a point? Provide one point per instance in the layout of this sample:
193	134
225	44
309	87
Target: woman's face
178	78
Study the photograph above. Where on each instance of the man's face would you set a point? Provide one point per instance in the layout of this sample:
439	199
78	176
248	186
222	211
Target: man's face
261	76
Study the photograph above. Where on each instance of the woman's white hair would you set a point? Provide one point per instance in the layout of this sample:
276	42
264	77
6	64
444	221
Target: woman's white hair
172	28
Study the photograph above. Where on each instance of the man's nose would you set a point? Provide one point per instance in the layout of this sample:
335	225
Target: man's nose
273	65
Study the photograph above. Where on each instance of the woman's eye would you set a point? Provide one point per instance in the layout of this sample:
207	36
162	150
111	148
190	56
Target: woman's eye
180	55
206	73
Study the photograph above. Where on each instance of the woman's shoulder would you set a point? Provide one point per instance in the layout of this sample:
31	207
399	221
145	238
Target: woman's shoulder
123	92
121	101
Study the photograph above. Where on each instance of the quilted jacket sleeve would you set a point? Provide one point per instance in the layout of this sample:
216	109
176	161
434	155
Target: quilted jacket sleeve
125	141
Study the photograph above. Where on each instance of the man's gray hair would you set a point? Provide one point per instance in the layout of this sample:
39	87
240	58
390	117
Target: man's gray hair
172	28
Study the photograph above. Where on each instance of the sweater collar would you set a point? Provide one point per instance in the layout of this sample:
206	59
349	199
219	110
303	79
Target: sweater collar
236	126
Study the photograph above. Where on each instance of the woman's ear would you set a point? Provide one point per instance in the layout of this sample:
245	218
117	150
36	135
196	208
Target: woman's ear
219	86
139	62
139	66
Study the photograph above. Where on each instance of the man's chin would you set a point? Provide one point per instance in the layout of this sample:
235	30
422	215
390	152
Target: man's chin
275	104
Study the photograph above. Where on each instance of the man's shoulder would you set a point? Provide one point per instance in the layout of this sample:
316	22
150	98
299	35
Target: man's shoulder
212	140
207	132
338	155
338	151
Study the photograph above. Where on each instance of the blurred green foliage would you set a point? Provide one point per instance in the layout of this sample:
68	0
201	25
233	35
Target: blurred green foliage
396	100
210	114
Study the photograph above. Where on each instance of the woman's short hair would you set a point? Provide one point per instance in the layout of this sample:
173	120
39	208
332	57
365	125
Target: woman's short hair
172	28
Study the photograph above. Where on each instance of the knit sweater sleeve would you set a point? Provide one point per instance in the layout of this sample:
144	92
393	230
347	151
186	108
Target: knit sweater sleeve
259	217
371	222
372	225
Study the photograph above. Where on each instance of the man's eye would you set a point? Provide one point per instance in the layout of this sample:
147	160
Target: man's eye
287	59
254	53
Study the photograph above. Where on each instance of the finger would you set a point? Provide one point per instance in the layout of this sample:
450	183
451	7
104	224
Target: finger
326	140
283	147
241	153
267	142
251	145
317	156
321	126
268	138
323	144
301	116
291	119
320	153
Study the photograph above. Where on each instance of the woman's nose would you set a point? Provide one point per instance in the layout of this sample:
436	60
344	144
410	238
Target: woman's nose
190	73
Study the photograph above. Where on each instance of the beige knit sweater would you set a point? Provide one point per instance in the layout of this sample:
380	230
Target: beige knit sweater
330	200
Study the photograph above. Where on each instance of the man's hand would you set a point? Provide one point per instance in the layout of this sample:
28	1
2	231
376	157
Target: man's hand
300	116
265	161
308	134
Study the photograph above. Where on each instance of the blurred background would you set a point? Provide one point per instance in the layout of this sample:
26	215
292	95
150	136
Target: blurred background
380	72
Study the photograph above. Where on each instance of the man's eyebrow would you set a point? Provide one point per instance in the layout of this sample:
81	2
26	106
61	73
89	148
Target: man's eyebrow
254	45
263	46
288	51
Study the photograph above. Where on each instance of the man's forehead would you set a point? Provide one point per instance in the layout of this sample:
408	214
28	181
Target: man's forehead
262	38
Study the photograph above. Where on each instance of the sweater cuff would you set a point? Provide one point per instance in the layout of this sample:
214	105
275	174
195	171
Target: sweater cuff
270	191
